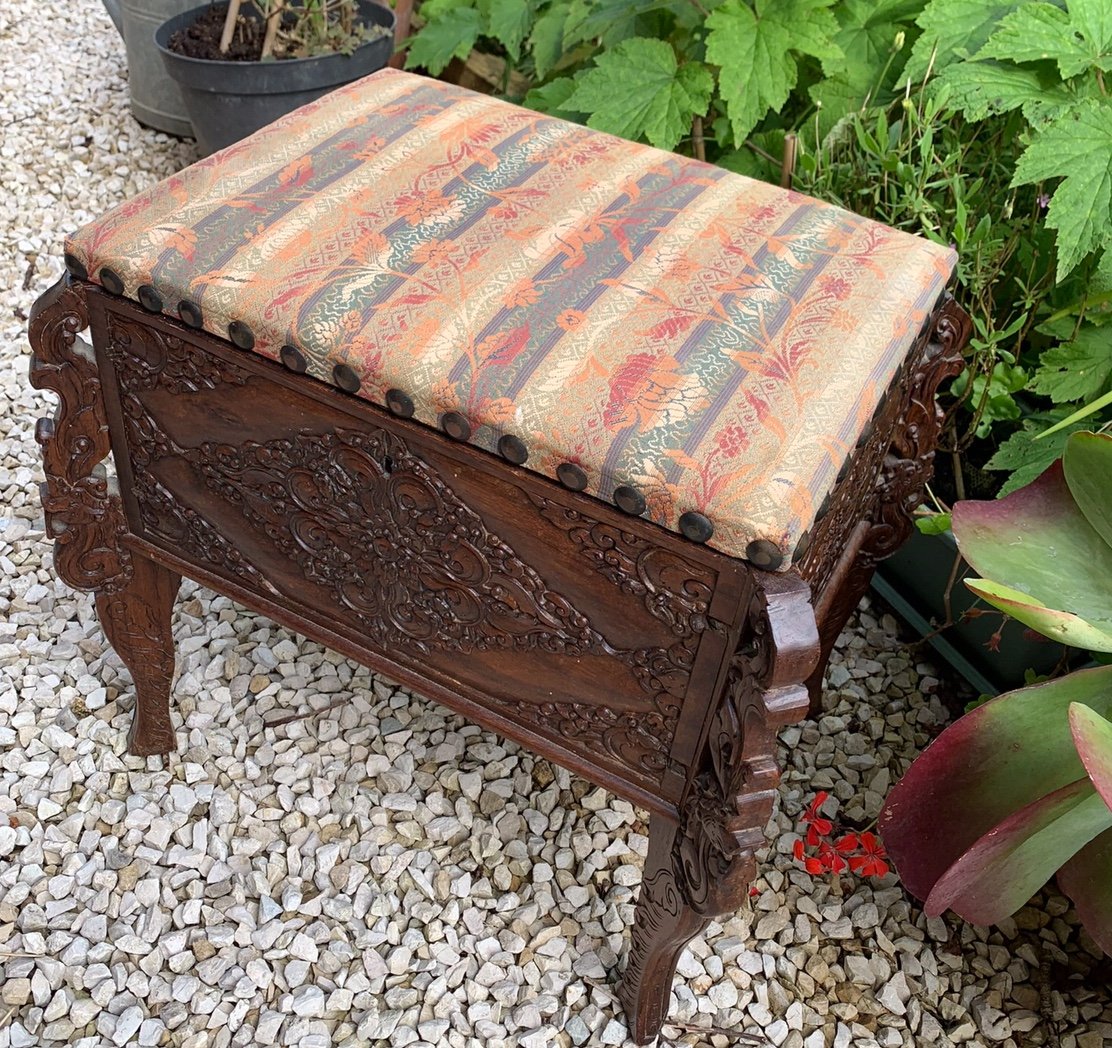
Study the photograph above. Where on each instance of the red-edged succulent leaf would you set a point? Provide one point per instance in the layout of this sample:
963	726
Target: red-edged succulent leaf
1061	626
1087	880
1011	862
996	759
1038	551
1087	464
1092	734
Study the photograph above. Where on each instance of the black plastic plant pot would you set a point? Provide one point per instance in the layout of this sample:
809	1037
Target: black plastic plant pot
227	101
913	582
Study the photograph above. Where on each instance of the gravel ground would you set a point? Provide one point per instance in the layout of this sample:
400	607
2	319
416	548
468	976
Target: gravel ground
382	872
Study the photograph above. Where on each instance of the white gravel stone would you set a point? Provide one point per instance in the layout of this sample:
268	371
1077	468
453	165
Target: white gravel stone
127	1025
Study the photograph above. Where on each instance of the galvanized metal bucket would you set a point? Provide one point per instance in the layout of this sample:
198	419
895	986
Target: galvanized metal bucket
156	99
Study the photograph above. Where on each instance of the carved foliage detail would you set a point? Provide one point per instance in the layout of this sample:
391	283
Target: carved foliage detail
671	589
84	513
730	799
159	358
890	470
669	586
376	526
368	520
910	459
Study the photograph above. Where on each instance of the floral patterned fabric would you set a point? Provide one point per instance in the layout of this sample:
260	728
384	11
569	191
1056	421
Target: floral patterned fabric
713	343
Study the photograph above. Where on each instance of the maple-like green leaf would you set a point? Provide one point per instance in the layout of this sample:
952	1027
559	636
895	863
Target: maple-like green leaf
1038	31
1075	40
451	35
1027	457
756	47
547	39
509	22
953	30
1093	19
431	10
1076	370
612	21
1078	148
551	98
982	89
637	89
576	21
1101	282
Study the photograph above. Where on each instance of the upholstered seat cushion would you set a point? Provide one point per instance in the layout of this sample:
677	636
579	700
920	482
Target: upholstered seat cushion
652	329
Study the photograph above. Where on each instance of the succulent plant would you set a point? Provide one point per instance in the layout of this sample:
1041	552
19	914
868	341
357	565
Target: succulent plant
1021	787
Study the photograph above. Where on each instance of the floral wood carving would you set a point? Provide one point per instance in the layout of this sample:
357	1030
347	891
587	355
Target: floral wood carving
729	801
672	589
893	465
669	586
84	513
368	520
156	357
700	867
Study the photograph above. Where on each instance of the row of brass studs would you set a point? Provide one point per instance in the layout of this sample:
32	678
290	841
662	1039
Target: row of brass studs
694	526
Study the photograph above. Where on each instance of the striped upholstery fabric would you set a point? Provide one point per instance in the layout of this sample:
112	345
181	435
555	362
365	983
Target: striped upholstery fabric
682	335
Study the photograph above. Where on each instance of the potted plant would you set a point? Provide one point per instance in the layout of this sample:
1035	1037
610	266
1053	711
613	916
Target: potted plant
1021	787
243	65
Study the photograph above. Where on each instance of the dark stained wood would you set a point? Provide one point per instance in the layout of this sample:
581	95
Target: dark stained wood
701	864
136	621
872	512
654	666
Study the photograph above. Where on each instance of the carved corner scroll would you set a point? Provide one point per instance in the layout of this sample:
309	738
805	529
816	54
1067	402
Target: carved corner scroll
909	461
84	513
730	798
699	867
889	471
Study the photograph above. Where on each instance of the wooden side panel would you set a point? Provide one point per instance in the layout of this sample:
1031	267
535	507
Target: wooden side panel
452	566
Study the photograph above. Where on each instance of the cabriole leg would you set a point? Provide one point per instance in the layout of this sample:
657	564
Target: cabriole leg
664	923
700	865
136	620
85	516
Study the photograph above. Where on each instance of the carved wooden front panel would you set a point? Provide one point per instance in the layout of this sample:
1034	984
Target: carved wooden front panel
363	523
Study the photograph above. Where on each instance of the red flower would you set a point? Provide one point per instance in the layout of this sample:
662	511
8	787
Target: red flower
870	863
814	819
848	843
810	863
832	862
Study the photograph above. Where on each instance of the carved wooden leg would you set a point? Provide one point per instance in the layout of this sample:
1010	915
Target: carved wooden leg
86	518
700	866
136	620
663	924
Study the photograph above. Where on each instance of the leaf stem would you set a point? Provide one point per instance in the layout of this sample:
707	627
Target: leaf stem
698	143
1084	304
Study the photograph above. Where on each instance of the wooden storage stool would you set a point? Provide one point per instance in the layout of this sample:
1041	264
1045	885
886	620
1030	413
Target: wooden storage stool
595	444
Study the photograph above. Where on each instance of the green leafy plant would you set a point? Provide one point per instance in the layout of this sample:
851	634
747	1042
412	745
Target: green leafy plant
1021	787
660	69
1045	62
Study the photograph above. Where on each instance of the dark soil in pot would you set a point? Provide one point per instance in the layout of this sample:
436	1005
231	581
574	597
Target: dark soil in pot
202	38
